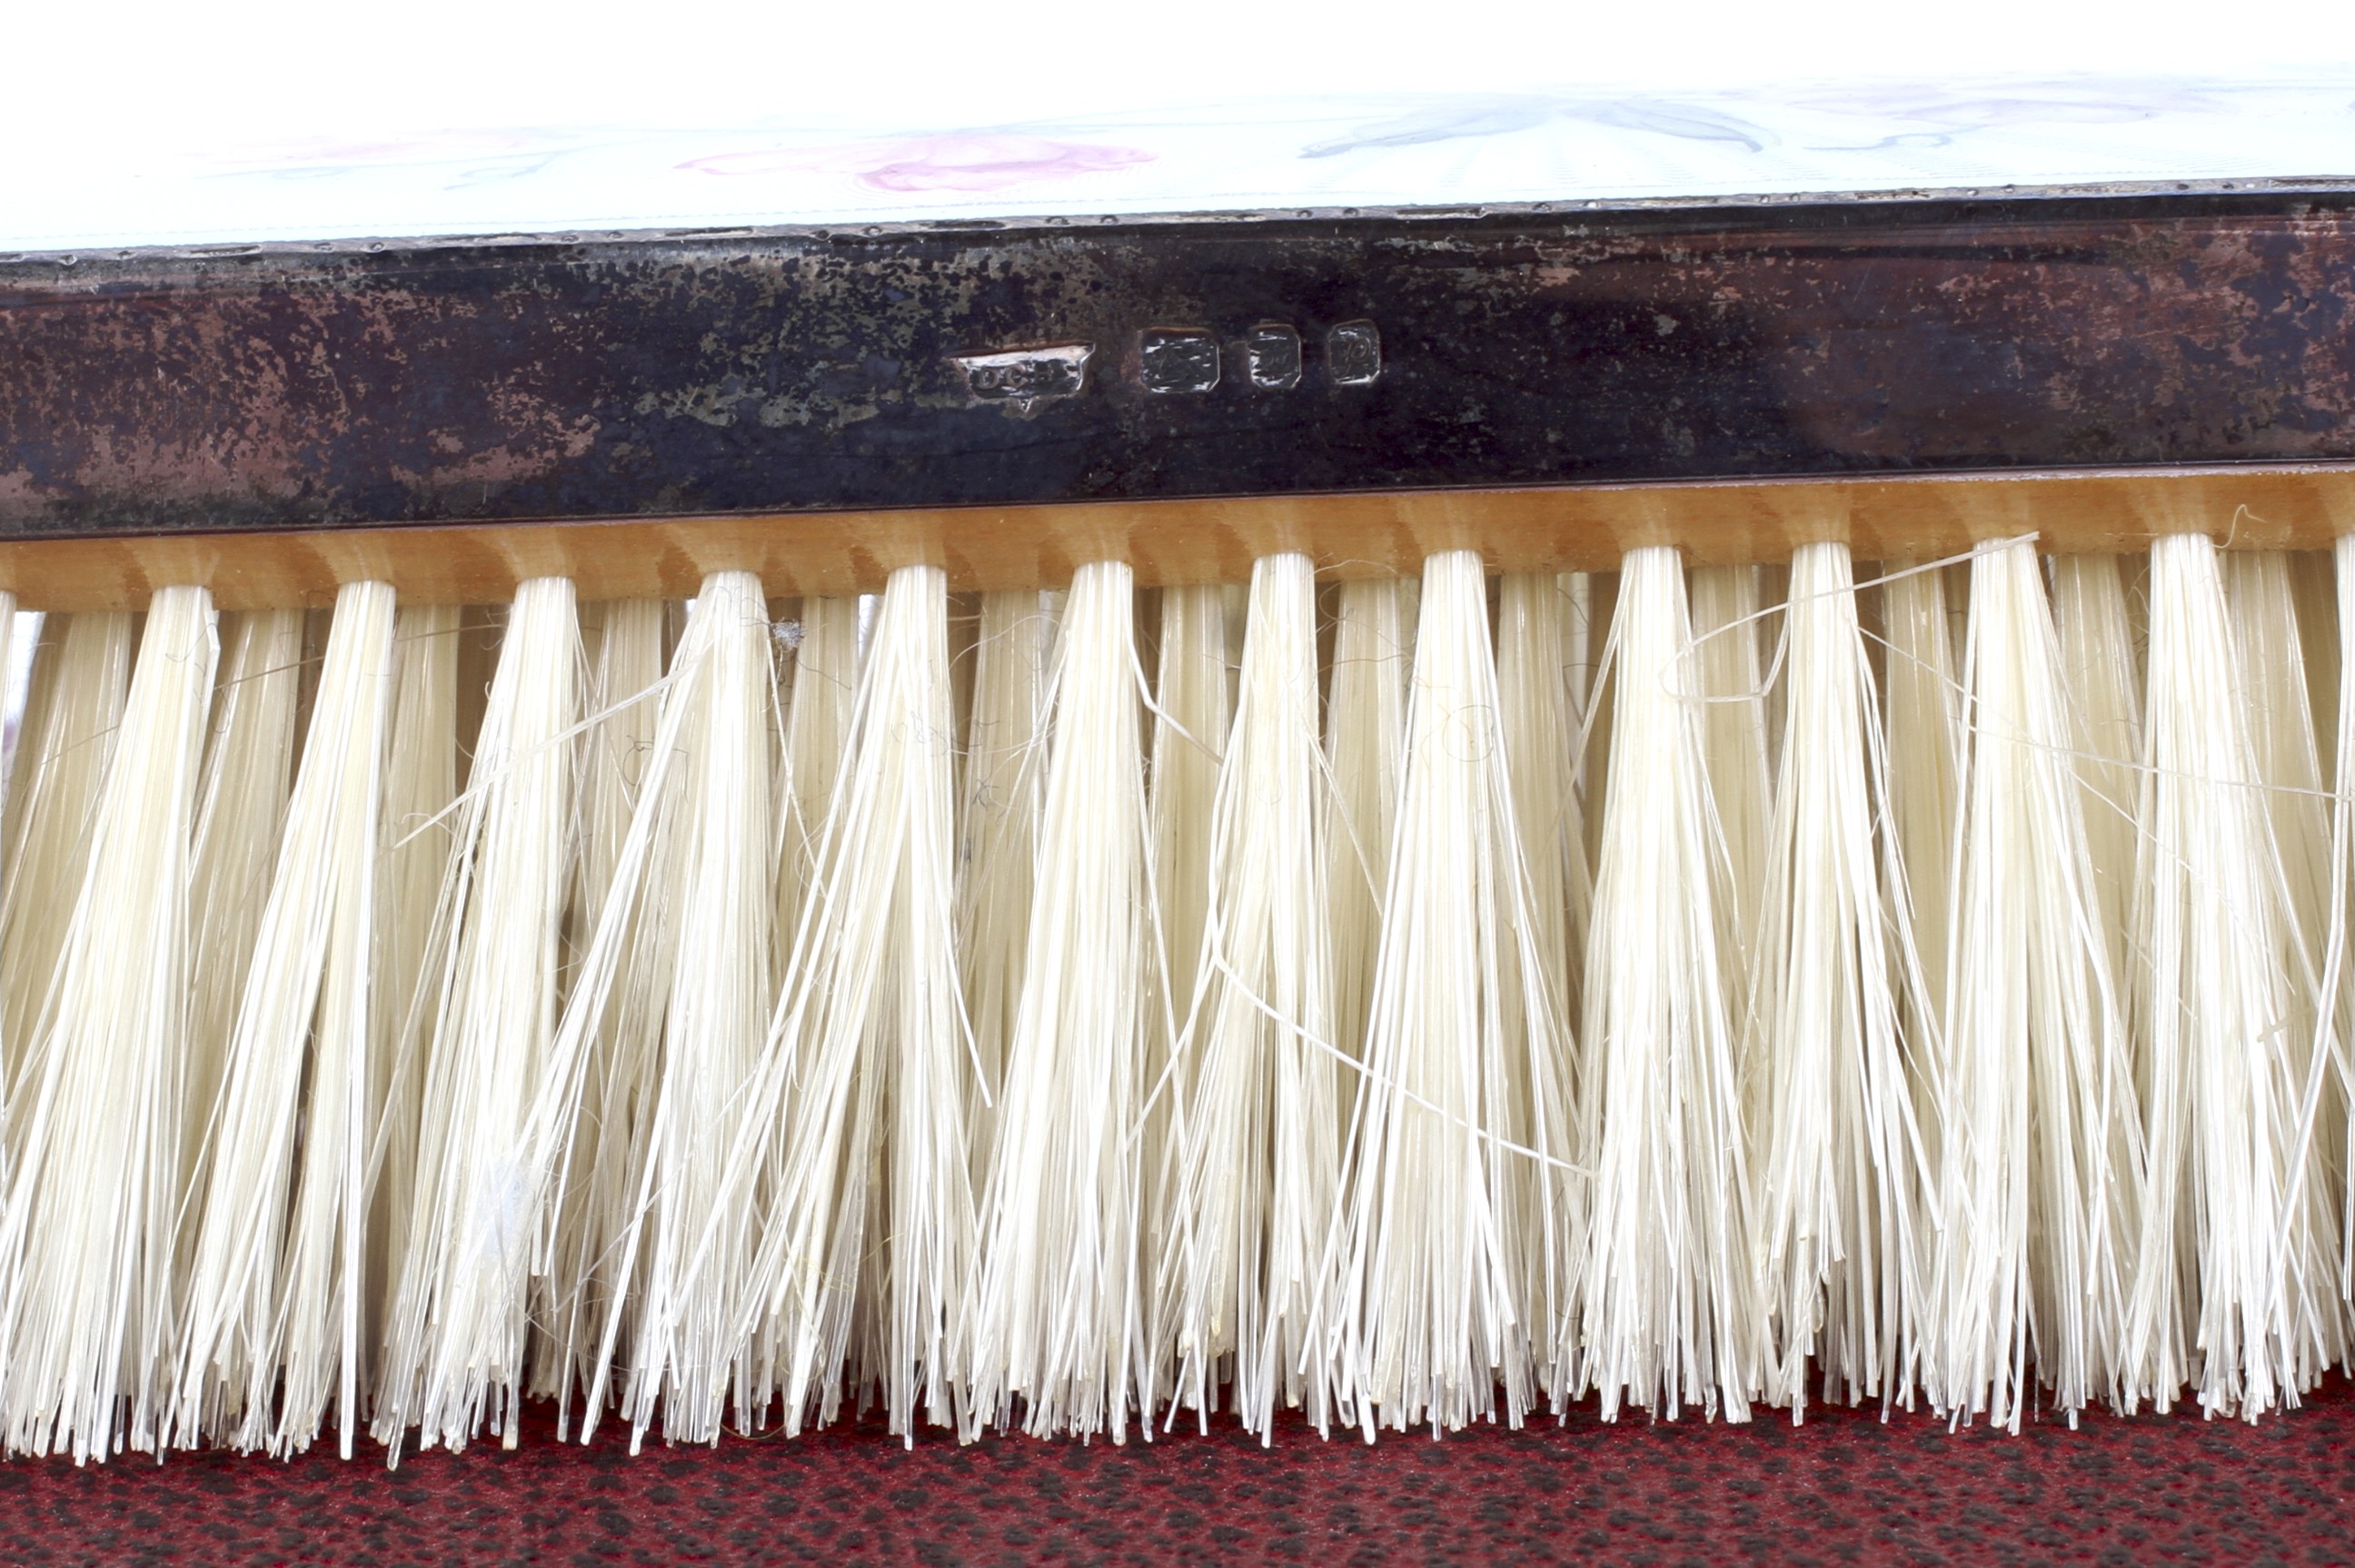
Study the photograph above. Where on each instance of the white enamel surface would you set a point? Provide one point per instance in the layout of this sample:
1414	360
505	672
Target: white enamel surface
261	121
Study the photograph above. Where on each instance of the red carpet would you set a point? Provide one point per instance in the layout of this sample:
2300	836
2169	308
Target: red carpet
1844	1489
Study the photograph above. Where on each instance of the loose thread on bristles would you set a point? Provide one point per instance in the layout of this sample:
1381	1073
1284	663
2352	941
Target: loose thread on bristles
1962	1023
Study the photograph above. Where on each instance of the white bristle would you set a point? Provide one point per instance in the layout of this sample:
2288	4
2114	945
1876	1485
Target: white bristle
421	781
873	1195
1192	710
1057	1322
87	1235
1538	633
455	1341
2226	1298
1373	651
1723	672
1671	1310
2335	1156
825	670
1458	1259
1840	1177
624	639
1249	1271
2278	694
73	719
2039	1185
2274	693
659	1035
2102	674
242	798
1925	736
1003	796
275	1277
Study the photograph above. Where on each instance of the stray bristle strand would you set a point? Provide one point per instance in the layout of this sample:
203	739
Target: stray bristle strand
87	1235
455	1343
1841	1179
1671	1310
72	721
1456	1256
274	1292
865	1074
2039	1180
1249	1269
1057	1322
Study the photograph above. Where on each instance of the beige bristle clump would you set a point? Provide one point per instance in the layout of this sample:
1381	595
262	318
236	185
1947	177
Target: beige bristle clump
1722	672
1540	631
624	642
824	644
667	1009
2229	1247
455	1341
1058	1319
88	1233
866	1072
1841	1178
1002	796
1373	650
2103	674
421	781
2039	1184
273	1301
72	721
1671	1317
1926	737
1192	708
1458	1264
1249	1271
241	803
